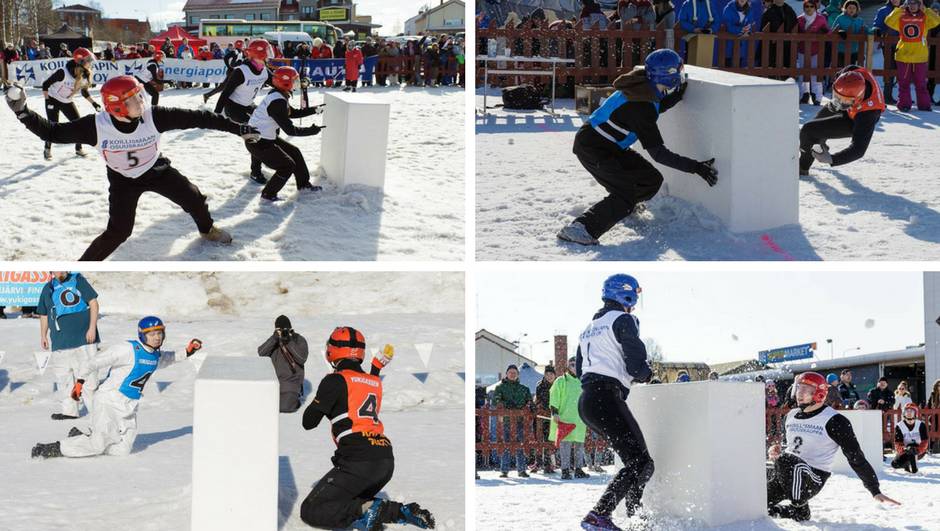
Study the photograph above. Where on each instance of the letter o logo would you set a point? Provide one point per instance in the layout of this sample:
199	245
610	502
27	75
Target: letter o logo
911	31
69	298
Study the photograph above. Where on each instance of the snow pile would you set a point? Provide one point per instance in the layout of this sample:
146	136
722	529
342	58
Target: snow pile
529	185
547	502
53	210
422	405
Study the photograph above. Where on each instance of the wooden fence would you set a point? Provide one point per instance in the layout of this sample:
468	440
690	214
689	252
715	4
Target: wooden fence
602	55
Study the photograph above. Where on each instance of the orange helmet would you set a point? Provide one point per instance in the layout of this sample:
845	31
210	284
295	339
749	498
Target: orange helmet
259	50
850	85
284	78
345	343
83	56
913	409
159	56
115	93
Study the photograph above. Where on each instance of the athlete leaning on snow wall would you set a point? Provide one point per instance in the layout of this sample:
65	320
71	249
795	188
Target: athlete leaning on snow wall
610	359
363	462
127	134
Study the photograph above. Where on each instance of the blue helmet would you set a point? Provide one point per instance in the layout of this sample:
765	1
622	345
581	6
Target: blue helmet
622	289
664	67
148	324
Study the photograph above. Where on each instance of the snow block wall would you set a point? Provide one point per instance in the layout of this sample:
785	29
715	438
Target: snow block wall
867	426
932	326
235	437
355	139
707	442
750	125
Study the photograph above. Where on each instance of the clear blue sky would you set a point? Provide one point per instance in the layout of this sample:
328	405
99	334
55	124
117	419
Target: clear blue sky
717	316
392	14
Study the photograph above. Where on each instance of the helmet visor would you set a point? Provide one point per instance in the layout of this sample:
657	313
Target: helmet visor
910	413
803	393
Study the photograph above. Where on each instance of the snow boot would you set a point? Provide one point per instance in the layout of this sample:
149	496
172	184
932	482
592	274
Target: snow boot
389	512
580	474
309	188
565	473
371	519
75	432
800	513
216	234
79	152
47	153
415	515
575	232
258	178
913	464
62	416
598	522
46	451
504	474
523	474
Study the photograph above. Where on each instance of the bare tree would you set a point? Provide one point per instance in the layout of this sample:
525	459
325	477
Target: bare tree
654	351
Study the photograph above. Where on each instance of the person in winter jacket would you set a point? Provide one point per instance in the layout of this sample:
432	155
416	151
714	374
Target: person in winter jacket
636	14
779	17
810	21
354	61
910	440
700	16
184	50
563	402
321	50
591	15
848	23
833	398
511	394
912	52
881	30
880	397
288	352
739	19
543	459
833	10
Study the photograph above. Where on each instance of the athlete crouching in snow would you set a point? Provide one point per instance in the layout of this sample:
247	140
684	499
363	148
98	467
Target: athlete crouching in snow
273	114
602	145
853	112
814	432
611	358
114	412
363	462
910	440
127	134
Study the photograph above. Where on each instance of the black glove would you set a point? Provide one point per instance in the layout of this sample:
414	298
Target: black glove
706	170
316	129
843	35
249	133
96	105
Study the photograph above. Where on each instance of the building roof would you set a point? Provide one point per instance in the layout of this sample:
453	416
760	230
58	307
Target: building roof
443	5
231	4
77	7
502	343
736	367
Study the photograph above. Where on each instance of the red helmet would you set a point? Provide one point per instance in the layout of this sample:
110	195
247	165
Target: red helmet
259	50
284	78
116	91
850	85
911	407
159	56
82	56
817	382
345	343
239	44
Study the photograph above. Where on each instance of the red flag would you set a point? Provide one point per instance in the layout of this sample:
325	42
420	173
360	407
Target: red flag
564	429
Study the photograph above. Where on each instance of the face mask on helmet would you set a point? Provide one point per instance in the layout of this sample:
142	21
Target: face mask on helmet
910	413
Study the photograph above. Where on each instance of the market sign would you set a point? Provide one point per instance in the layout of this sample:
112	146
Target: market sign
796	352
334	14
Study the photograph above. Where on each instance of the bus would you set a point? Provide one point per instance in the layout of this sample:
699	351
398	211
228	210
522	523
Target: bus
225	31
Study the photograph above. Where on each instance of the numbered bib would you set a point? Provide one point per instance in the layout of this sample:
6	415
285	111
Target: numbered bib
131	154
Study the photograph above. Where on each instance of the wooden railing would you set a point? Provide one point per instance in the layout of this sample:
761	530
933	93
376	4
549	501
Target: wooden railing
775	418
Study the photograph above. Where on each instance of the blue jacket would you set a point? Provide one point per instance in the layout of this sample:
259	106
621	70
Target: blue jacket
880	16
732	22
701	7
852	26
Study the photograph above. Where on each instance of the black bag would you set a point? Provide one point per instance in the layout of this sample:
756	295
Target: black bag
522	97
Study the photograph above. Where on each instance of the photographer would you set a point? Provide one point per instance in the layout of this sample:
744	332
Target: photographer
288	352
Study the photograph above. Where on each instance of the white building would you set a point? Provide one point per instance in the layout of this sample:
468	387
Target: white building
493	355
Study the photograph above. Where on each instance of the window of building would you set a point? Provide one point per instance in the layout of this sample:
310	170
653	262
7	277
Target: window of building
250	16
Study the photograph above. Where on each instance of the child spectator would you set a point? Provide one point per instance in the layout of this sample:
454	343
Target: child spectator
912	53
810	21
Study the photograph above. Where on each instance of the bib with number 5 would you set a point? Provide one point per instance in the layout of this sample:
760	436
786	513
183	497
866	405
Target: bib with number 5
130	154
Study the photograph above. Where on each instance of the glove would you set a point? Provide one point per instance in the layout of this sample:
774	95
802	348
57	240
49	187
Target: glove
706	170
318	109
250	134
77	389
193	347
96	105
385	357
316	129
681	92
16	99
843	35
822	154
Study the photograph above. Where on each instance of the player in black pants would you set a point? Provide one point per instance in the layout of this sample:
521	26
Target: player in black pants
127	135
151	77
814	432
59	89
853	112
240	89
273	114
610	359
363	463
603	145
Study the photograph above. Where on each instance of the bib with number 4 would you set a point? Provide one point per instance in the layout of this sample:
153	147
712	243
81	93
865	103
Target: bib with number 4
130	154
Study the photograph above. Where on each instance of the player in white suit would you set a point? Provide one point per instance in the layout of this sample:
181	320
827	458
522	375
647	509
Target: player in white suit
114	411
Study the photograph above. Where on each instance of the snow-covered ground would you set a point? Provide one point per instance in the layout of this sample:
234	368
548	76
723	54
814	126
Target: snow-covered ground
529	185
547	502
53	210
422	406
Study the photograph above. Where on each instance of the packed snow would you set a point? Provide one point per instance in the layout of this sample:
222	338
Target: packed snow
53	210
529	185
547	502
422	406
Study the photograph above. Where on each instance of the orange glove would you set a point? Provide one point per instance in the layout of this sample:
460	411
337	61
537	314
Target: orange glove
77	389
193	346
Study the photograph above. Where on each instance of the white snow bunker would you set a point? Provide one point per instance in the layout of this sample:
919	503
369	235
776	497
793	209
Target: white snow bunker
751	126
235	438
707	442
867	427
355	139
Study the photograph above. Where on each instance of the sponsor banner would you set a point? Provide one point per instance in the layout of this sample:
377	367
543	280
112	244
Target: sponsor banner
796	352
34	73
22	288
323	69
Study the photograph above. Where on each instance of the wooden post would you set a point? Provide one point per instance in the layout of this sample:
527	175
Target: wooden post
561	354
870	52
